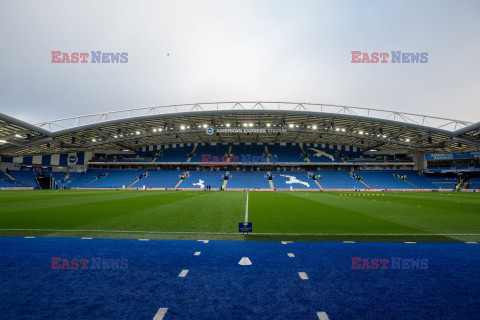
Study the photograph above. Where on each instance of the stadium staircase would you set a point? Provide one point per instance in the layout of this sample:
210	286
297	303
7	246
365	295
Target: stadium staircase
96	178
369	187
186	173
316	181
272	186
138	178
193	152
228	172
12	178
303	151
413	184
228	159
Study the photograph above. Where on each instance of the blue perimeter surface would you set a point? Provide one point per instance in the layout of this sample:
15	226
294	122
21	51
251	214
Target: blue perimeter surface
217	287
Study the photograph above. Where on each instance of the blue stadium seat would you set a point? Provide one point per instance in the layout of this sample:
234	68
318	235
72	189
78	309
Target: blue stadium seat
159	179
248	180
294	179
218	150
6	182
339	180
317	154
80	179
198	179
116	178
177	154
383	179
288	153
249	153
26	178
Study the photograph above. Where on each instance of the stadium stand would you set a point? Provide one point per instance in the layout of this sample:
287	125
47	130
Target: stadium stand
218	150
338	180
177	154
6	182
116	178
443	182
159	179
248	180
198	179
419	180
383	179
286	153
59	178
294	179
121	158
249	153
317	154
474	183
26	178
81	179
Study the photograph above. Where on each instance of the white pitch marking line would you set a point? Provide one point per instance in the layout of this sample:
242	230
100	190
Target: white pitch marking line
286	242
29	237
410	242
183	273
471	242
204	241
85	238
291	255
257	233
160	314
322	315
348	241
246	210
303	275
197	253
143	239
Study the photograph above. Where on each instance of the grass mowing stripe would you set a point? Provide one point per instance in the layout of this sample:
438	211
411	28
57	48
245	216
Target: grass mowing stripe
77	215
287	213
435	221
67	200
276	215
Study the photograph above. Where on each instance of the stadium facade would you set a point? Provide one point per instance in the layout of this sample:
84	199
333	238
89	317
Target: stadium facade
242	145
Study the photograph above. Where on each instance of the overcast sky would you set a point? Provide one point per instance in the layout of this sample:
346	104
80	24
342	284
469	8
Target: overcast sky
238	50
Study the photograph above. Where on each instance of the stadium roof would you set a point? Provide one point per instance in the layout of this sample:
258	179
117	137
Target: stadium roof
289	122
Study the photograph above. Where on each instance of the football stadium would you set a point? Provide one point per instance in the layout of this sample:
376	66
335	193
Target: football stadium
222	194
240	160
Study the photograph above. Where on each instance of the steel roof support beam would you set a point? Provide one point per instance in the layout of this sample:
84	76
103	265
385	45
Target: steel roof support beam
29	144
194	127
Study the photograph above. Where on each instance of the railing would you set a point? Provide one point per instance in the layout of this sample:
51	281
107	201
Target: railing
411	118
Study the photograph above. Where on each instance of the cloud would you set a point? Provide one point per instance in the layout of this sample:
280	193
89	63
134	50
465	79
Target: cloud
238	50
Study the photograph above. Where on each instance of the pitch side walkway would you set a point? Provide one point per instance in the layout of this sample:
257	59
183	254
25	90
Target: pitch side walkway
163	279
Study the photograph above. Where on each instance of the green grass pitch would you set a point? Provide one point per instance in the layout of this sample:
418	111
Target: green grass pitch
299	216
